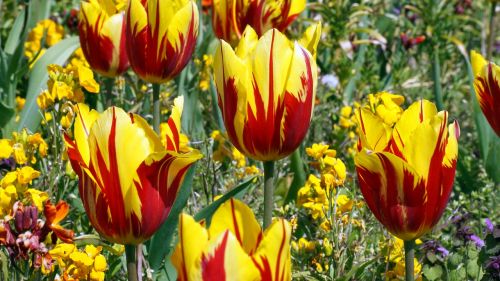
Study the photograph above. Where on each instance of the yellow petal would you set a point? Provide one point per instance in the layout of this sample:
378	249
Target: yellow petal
311	37
419	112
274	252
187	254
83	122
478	62
238	218
374	134
180	23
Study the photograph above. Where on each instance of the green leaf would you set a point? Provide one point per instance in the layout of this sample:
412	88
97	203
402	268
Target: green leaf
39	10
357	270
433	272
299	176
492	166
159	247
57	54
207	212
6	114
15	34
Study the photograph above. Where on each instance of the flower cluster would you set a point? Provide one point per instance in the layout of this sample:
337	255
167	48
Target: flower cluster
225	151
78	264
205	66
45	33
395	255
22	149
67	84
27	237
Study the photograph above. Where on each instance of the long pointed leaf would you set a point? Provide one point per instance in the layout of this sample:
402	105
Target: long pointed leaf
57	54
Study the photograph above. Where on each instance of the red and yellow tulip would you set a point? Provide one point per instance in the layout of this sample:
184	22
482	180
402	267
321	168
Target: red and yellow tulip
487	86
102	37
230	17
406	172
161	36
266	91
128	180
233	247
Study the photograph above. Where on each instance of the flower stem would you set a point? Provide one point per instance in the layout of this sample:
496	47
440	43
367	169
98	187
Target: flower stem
409	257
156	107
491	35
131	262
268	192
436	73
109	83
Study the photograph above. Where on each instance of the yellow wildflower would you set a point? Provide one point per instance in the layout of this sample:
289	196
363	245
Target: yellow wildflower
20	102
37	197
8	196
20	154
45	29
344	203
5	148
86	79
386	106
26	174
238	157
317	150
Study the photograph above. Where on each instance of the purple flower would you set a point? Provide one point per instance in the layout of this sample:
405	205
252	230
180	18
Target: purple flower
493	266
443	251
489	225
478	241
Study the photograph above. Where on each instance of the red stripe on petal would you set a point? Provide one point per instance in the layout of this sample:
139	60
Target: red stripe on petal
212	265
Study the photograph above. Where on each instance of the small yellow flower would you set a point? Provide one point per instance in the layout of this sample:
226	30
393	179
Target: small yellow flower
5	148
305	245
20	154
386	106
37	197
344	203
26	174
86	79
20	102
317	150
238	157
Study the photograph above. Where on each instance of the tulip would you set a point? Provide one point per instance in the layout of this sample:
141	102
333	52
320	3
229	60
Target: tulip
406	172
266	90
230	17
487	86
102	37
233	247
128	181
161	36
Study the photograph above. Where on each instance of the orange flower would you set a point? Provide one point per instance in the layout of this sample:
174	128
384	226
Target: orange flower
54	215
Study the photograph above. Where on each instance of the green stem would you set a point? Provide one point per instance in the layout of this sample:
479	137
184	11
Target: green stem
268	192
436	75
409	257
131	262
156	107
109	83
491	35
299	175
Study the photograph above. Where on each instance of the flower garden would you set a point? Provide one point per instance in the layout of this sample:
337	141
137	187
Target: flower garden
249	140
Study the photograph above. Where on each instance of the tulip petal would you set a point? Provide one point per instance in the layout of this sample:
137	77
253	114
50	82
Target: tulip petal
394	192
417	113
174	125
239	219
273	254
374	133
226	260
187	255
84	121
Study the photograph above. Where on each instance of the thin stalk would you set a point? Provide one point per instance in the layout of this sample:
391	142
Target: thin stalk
268	192
109	84
130	251
491	35
409	257
436	77
156	107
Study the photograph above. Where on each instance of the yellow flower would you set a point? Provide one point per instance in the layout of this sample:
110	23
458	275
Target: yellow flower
8	196
317	150
37	197
346	116
336	167
26	174
45	29
20	102
327	245
19	154
5	148
304	245
344	203
238	157
86	79
386	106
217	136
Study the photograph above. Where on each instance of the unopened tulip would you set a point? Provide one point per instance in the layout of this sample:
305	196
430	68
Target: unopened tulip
102	37
406	172
161	36
128	181
266	91
487	86
230	17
